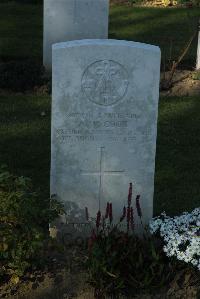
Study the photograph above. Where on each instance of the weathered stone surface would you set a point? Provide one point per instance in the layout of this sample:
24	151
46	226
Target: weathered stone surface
66	20
104	124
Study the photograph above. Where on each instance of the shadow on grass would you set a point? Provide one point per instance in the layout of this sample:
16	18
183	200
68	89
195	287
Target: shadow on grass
21	31
25	137
177	176
168	28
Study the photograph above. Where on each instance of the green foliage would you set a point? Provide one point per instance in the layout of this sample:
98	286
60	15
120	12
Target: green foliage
120	262
124	263
24	218
196	75
196	2
135	1
189	3
21	75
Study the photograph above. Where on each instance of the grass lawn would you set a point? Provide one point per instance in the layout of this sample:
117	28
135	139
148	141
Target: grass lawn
25	137
177	177
21	31
170	28
25	147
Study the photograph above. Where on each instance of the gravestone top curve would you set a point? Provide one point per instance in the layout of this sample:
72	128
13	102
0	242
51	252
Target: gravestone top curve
106	42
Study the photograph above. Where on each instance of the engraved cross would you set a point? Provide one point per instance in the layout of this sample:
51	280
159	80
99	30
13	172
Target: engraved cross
101	173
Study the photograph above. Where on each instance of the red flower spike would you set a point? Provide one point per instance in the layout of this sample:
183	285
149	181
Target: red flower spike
124	211
110	212
130	194
139	211
123	215
86	214
132	219
107	210
128	217
98	219
103	222
91	240
90	244
94	236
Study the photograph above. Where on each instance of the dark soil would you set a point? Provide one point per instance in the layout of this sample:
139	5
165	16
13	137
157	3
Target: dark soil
65	278
62	278
184	83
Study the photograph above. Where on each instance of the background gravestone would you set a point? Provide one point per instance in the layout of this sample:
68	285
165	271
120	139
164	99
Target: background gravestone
104	124
66	20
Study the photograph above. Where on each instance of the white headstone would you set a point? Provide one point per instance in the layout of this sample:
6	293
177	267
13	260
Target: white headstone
104	125
66	20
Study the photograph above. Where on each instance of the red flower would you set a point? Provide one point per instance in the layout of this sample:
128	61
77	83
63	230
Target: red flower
110	212
91	240
130	194
123	215
86	214
132	219
107	210
139	211
98	219
128	217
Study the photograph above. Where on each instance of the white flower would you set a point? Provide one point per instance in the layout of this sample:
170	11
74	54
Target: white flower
180	235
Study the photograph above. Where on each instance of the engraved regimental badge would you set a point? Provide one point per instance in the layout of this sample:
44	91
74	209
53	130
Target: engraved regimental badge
105	82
